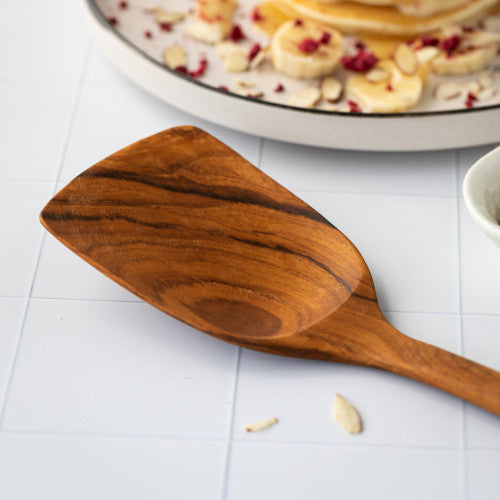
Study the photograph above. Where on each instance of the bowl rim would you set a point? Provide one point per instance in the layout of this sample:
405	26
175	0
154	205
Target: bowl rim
490	227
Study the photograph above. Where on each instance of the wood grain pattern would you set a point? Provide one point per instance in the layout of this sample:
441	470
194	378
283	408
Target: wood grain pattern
185	223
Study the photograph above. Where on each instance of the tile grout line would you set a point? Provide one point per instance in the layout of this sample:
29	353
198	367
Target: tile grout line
249	442
76	99
229	440
78	93
463	453
138	301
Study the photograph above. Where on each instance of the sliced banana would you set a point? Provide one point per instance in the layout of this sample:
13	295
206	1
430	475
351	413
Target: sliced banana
213	20
469	61
399	92
473	52
306	49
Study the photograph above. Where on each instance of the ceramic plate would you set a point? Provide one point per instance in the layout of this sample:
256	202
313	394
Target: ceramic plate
431	125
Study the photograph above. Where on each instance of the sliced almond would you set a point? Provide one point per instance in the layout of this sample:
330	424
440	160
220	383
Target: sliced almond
259	58
243	83
346	415
331	89
210	33
225	49
174	56
154	9
426	54
447	91
170	17
255	93
236	62
376	75
261	425
305	98
486	93
406	59
486	80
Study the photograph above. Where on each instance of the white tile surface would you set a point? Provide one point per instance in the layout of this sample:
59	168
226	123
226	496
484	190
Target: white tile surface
20	204
118	369
480	269
11	316
42	39
100	69
33	135
296	472
408	242
111	116
61	274
483	477
301	168
482	344
395	411
80	468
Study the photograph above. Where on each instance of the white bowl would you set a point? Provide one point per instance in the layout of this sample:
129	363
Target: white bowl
482	194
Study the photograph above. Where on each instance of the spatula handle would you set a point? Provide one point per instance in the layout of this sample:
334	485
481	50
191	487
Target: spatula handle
466	379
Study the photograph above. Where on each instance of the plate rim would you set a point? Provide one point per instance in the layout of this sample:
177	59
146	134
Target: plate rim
99	15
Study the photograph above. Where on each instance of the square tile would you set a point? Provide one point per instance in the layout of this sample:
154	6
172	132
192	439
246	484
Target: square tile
118	368
61	274
408	242
482	344
100	69
11	318
301	168
483	477
441	330
297	472
479	267
71	468
48	39
35	119
20	204
395	411
112	116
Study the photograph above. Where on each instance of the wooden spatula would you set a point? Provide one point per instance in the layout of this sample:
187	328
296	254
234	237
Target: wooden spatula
188	225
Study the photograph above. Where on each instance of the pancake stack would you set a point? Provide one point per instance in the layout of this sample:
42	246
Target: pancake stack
403	18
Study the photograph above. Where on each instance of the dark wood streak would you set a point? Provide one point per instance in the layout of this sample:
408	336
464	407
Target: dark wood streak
220	193
283	249
62	216
194	229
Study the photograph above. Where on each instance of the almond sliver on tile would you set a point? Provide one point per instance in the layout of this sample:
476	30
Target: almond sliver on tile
346	415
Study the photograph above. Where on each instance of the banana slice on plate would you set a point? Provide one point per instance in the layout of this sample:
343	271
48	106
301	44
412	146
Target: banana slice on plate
397	92
212	20
306	49
463	63
472	52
